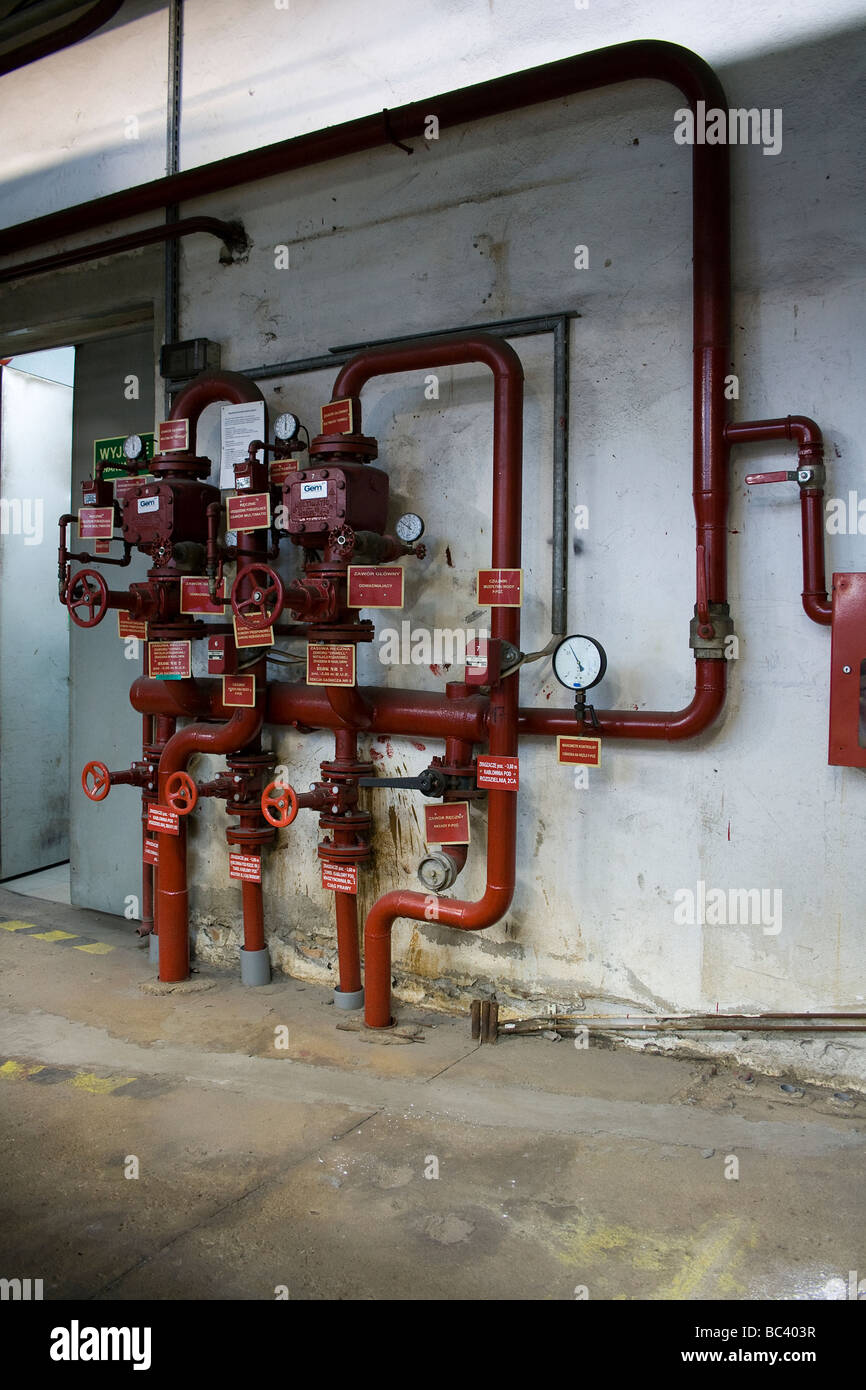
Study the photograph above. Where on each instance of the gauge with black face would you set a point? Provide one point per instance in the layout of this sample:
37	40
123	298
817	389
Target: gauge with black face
579	662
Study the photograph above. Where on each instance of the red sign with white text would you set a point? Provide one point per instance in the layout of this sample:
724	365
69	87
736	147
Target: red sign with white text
253	634
572	749
498	774
338	417
170	661
102	546
95	523
173	436
239	691
195	596
500	588
150	852
245	866
127	626
330	663
281	469
251	511
375	586
163	819
447	824
341	878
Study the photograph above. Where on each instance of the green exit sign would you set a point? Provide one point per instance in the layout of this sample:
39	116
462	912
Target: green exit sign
109	453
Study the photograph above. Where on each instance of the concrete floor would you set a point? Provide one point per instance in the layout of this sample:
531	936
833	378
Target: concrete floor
50	884
559	1169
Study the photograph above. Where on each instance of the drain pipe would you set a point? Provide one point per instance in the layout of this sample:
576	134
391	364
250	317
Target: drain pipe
505	626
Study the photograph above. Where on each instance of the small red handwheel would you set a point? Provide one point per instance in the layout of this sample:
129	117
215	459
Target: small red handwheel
279	804
88	591
99	788
265	595
181	793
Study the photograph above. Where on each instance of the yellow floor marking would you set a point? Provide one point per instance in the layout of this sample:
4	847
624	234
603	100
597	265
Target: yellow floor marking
98	948
54	935
699	1265
18	1070
99	1085
17	926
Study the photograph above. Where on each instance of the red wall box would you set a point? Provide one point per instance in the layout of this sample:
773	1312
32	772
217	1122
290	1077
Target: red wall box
848	672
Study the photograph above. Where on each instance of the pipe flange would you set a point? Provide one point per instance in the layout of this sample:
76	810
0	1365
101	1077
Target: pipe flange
343	854
343	448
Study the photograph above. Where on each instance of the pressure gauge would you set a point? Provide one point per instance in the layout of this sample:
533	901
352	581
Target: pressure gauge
133	447
579	662
410	528
286	427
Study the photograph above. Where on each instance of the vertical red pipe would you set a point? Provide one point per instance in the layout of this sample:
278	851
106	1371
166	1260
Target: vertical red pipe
505	623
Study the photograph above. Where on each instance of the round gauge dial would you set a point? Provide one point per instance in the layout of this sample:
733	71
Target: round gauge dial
409	528
133	447
579	662
286	427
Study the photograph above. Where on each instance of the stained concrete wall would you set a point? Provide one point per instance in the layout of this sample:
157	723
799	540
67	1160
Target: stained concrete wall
480	225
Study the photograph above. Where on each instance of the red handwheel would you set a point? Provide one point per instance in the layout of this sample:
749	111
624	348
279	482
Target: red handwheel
279	804
265	595
88	591
101	785
181	793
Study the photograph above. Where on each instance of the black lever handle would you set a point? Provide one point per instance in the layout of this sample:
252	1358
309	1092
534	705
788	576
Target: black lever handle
431	782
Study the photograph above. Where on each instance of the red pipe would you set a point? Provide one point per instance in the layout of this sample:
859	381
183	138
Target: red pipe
348	949
204	390
505	624
172	891
817	604
672	727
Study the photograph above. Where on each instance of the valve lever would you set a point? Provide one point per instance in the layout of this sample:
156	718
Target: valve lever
431	782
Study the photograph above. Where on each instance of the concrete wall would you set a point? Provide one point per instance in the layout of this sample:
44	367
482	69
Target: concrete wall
482	225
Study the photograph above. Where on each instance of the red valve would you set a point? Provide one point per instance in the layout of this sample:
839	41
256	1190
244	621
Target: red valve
264	601
101	781
88	590
181	793
279	804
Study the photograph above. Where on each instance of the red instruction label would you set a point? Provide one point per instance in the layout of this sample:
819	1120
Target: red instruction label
249	512
102	546
245	866
375	586
239	691
163	819
330	663
195	596
95	523
127	626
253	634
338	417
573	749
150	852
341	878
500	588
281	469
500	774
173	435
170	661
447	824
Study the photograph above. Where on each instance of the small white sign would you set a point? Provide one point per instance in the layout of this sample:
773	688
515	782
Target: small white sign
148	504
310	490
239	426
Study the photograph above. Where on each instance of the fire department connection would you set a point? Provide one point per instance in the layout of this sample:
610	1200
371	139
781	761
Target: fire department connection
330	501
